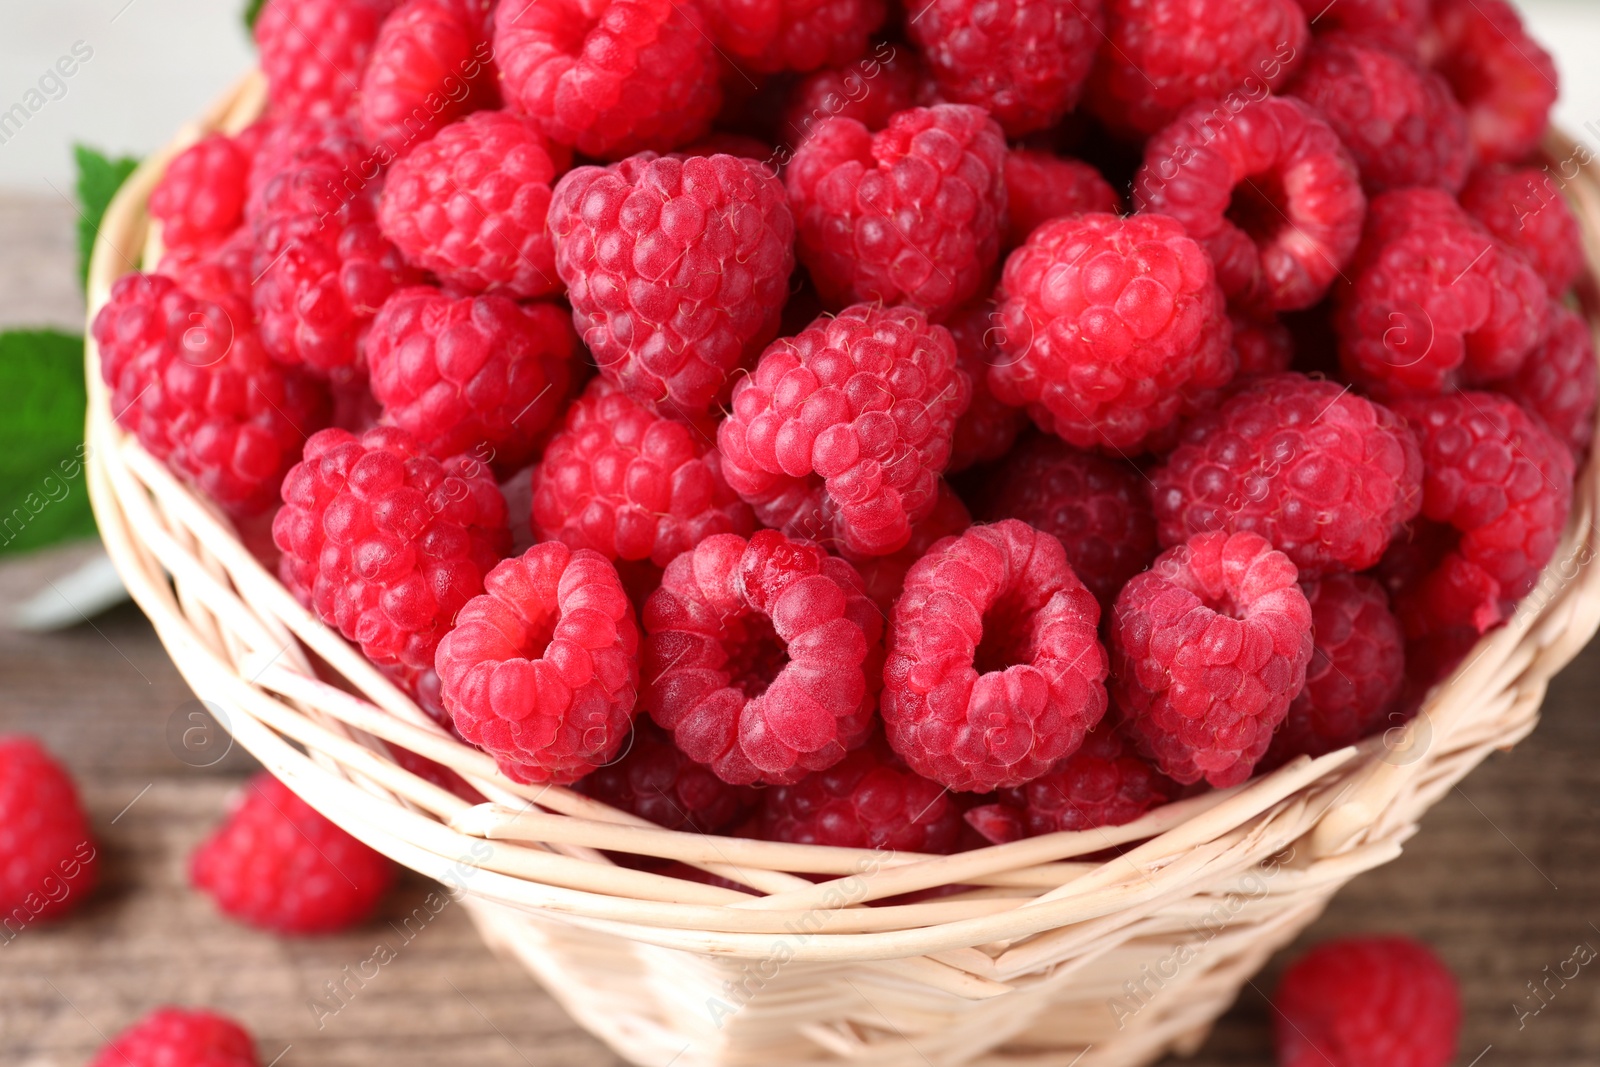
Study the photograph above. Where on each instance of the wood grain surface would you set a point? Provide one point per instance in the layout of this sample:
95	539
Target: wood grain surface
1503	880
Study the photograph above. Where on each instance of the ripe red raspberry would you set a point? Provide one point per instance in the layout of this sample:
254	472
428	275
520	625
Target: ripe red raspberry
1268	189
48	858
1365	1001
473	374
385	542
910	215
1041	186
200	198
773	35
179	1037
313	52
609	79
1560	381
432	64
1105	323
762	657
1264	346
988	428
190	379
1208	648
655	781
1396	24
1160	56
1025	61
1523	207
884	576
1502	76
871	91
278	864
1327	477
994	669
866	800
630	484
677	270
542	670
276	144
1099	509
1400	122
471	206
1434	300
841	431
1104	783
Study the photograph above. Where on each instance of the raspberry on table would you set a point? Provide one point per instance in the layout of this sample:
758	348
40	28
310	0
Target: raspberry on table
432	63
1041	186
988	428
180	1037
884	576
541	671
1024	61
1503	77
910	215
1269	190
49	860
278	864
995	670
1559	382
1394	24
841	432
1105	324
1362	1001
1264	346
767	36
1209	647
872	91
1160	56
762	657
609	79
630	484
474	374
677	270
655	781
200	197
1326	476
1523	207
314	52
1400	121
385	542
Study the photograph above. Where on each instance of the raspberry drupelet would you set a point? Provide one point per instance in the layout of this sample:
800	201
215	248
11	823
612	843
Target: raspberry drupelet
910	215
1041	187
199	200
766	36
884	576
655	781
1269	190
49	860
841	432
314	52
677	270
1263	345
1503	77
1523	207
1559	382
1105	324
872	91
542	670
431	64
994	668
988	428
762	656
179	1037
1209	647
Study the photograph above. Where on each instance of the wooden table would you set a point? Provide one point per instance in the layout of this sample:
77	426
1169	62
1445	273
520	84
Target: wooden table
1504	879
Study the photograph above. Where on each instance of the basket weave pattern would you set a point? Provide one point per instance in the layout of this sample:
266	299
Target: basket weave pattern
1030	952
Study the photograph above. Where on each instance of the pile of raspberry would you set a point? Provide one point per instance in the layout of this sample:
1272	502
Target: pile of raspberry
747	415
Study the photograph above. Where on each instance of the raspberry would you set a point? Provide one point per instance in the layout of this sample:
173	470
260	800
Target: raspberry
200	198
1041	186
910	215
385	542
1364	1001
1099	509
1501	75
994	670
988	428
884	576
1559	380
541	671
277	144
277	864
1025	61
1395	24
179	1037
1160	56
478	374
1522	207
1399	121
762	657
773	35
631	485
655	781
1268	189
1434	300
48	858
1327	477
871	91
866	800
842	430
431	64
313	52
1105	323
1208	648
609	79
190	379
1356	672
1104	783
1264	346
677	270
471	206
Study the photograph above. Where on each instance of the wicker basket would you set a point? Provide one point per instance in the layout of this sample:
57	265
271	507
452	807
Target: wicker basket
1038	955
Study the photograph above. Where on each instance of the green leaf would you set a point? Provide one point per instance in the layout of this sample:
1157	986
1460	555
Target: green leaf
252	11
43	495
99	178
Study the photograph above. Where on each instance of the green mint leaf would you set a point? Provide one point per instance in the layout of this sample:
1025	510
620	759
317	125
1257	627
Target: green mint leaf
99	178
252	11
43	495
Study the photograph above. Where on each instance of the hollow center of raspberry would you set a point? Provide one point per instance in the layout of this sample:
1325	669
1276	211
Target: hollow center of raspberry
1006	639
1259	207
755	656
538	635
